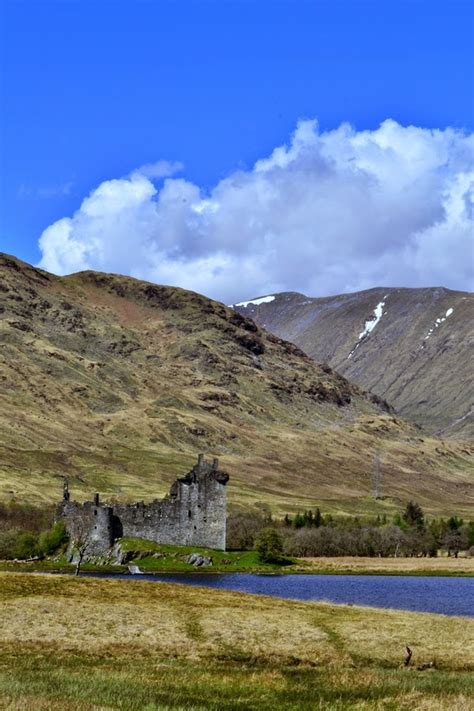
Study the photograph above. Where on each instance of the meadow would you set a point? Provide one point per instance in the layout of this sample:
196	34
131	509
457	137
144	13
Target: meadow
154	557
74	643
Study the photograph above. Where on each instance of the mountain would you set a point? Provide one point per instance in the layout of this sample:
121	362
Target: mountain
412	347
119	383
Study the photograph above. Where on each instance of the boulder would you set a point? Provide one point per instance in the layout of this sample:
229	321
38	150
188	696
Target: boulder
199	560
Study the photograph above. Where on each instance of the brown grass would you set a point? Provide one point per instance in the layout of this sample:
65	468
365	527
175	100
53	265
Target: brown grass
90	644
421	566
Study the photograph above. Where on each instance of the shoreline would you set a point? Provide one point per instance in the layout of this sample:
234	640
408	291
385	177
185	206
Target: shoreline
419	567
252	588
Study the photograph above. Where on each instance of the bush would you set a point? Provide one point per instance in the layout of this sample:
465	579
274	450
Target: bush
7	544
26	546
17	544
50	541
22	544
269	545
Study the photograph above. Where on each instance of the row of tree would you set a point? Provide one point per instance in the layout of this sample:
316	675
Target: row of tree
26	532
313	534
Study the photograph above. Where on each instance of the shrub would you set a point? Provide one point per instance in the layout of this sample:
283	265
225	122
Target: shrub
24	546
50	541
7	544
269	545
17	544
21	544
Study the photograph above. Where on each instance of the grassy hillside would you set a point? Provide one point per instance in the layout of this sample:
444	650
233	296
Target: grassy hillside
119	384
417	355
76	644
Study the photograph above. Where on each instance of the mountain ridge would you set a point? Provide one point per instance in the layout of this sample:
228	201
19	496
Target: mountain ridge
415	353
118	383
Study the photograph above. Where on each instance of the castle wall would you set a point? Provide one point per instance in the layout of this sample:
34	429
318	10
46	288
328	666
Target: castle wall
90	523
194	514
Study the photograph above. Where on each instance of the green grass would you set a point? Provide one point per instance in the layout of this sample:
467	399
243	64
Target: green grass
161	558
229	683
156	557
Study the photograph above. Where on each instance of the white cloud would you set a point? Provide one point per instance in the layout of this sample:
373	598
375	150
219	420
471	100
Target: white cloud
330	212
160	169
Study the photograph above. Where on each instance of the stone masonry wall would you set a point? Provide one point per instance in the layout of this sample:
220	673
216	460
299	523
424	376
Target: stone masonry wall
193	513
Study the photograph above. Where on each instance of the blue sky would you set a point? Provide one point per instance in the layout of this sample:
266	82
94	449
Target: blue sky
93	90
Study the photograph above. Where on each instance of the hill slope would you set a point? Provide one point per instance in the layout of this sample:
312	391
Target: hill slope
119	383
413	347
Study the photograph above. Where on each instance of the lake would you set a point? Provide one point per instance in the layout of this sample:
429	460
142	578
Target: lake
448	596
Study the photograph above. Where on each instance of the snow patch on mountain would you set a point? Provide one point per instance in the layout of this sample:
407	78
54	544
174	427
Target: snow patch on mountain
255	302
437	323
371	323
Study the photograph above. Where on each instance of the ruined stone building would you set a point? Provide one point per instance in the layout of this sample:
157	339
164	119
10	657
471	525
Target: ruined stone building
192	514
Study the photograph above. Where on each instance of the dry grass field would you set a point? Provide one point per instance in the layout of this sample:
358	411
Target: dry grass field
392	566
69	643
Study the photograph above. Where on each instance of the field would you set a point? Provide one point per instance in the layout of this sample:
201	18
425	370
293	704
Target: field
392	566
69	643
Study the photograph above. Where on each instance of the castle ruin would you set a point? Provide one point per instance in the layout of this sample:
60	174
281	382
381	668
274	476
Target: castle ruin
192	514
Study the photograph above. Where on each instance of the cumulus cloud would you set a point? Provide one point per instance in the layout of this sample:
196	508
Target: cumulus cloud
330	212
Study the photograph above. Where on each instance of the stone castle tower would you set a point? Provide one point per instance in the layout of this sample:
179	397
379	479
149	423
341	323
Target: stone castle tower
193	514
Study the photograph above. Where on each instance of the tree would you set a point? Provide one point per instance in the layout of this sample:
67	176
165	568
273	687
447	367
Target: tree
419	542
414	516
455	523
470	534
438	528
322	541
393	540
318	519
299	521
82	543
242	529
269	545
455	541
398	521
